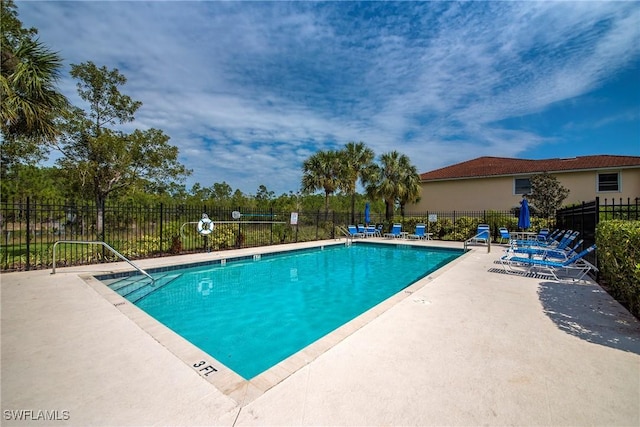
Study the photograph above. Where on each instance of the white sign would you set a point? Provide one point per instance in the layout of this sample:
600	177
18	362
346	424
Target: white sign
294	218
433	218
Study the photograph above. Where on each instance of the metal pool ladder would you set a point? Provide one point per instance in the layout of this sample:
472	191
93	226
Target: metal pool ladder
346	233
88	242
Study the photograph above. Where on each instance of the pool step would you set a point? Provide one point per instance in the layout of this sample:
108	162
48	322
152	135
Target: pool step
137	287
128	281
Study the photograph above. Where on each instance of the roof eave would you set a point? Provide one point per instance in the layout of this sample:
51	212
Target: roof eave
561	171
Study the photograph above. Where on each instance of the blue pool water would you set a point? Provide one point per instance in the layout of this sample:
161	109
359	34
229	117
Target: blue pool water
254	313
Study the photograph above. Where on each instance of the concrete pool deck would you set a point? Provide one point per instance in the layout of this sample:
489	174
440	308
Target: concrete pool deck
464	346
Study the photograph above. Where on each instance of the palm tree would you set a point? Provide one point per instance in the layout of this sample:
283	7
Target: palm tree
322	171
357	162
30	100
396	181
28	75
410	183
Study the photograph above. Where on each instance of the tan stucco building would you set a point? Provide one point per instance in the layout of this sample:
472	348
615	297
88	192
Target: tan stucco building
497	183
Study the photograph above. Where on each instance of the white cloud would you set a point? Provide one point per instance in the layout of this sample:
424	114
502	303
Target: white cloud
247	91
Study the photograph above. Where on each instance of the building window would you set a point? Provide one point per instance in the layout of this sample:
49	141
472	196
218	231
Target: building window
521	186
608	182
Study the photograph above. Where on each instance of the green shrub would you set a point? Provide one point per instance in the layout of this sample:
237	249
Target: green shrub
144	246
171	235
442	228
224	237
619	260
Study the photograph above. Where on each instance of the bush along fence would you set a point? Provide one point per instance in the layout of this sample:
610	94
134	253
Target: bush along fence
619	261
30	228
614	226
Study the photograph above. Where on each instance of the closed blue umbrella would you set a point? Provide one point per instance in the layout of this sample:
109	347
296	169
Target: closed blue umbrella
367	213
524	220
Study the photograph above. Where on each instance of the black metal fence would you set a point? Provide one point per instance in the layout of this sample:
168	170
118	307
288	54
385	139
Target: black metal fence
30	228
585	217
460	225
629	210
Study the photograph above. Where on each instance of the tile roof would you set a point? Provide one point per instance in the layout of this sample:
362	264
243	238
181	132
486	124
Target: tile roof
496	166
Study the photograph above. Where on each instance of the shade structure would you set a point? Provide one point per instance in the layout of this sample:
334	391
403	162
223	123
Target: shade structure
524	220
367	213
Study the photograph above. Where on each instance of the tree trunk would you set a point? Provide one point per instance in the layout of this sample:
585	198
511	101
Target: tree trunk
326	206
100	216
388	210
353	208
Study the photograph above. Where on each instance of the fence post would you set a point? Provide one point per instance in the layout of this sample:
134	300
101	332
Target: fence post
103	206
28	266
161	223
271	226
333	225
454	224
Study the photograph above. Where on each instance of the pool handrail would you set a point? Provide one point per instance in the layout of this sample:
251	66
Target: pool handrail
346	233
97	242
475	239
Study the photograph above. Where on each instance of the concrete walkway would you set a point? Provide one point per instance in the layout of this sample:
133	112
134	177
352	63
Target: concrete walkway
464	346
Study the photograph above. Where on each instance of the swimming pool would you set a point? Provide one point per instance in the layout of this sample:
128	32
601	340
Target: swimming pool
251	313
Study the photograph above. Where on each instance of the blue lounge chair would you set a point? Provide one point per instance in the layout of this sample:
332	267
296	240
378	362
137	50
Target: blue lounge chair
482	234
566	239
541	239
504	235
547	252
353	231
543	234
420	232
551	237
574	268
395	233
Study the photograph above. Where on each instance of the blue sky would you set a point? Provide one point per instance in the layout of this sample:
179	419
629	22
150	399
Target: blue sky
249	90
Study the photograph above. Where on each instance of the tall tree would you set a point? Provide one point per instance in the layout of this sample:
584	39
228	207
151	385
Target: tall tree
221	193
102	160
547	194
200	193
357	162
30	100
322	171
410	183
264	197
26	180
396	182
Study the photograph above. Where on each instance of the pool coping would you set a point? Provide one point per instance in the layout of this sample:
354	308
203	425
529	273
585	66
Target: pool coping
227	381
